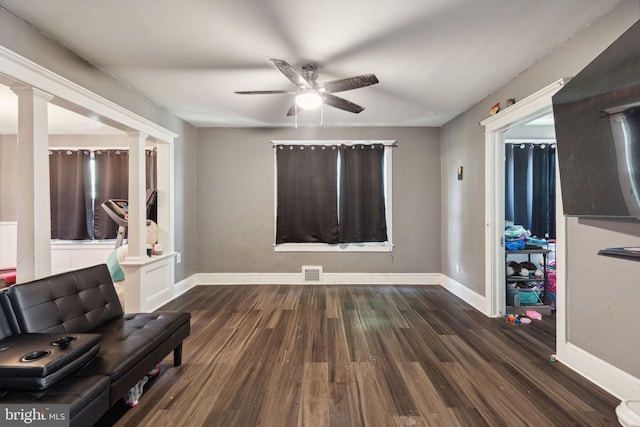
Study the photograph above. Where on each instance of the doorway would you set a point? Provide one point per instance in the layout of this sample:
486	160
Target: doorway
530	209
532	107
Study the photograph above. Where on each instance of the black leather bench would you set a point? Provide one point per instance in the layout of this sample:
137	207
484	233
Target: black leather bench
81	304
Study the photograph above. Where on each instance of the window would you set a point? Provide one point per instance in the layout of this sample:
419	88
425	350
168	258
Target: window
80	181
333	196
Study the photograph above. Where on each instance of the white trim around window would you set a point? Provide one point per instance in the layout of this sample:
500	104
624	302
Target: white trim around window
347	247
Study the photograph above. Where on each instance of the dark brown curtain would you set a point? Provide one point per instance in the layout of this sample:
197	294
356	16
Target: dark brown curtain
151	173
151	169
70	192
112	182
307	194
362	204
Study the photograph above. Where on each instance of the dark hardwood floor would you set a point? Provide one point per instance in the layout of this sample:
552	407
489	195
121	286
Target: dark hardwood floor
360	356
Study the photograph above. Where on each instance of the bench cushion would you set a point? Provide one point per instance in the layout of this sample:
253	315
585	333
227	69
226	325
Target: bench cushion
8	322
125	340
133	345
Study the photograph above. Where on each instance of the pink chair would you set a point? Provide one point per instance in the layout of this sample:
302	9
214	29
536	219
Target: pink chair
7	277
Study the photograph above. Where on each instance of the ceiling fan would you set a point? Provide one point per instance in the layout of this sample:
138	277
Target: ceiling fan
309	90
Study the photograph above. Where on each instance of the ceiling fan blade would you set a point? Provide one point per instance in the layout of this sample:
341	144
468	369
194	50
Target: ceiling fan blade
266	92
292	110
291	73
341	103
350	83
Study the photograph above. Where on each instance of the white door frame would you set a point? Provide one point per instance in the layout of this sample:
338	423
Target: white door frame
529	108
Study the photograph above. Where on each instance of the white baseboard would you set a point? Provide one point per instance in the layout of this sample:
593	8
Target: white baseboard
327	279
477	301
606	376
177	289
184	285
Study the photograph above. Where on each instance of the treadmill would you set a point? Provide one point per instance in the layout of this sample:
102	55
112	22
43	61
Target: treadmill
118	210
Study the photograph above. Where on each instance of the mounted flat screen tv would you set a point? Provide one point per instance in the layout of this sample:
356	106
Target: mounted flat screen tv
597	121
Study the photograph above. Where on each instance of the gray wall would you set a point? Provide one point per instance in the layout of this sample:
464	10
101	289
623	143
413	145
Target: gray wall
600	290
235	208
28	42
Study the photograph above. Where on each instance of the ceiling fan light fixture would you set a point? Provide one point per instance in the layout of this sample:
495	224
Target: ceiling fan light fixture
308	100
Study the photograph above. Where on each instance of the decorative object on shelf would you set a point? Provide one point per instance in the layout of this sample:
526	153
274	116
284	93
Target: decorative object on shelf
513	268
515	237
510	102
494	110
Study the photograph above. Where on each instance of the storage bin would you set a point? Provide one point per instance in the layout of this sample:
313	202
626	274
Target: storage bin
528	296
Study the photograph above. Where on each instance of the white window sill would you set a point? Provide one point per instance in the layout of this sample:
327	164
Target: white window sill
83	244
323	247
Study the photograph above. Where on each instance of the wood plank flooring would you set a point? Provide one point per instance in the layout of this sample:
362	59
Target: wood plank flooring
360	356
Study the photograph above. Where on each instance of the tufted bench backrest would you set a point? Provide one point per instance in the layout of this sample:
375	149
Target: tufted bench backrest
76	301
8	324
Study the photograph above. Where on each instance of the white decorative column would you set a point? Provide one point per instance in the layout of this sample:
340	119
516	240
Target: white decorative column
137	197
33	206
165	197
149	281
137	228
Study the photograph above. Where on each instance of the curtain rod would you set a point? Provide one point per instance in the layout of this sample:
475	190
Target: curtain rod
530	140
97	148
385	142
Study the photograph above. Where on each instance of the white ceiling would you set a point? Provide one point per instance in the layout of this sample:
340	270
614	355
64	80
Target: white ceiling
434	58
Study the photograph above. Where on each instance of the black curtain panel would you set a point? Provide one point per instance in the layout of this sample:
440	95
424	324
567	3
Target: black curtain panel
530	187
151	173
69	191
362	204
518	191
307	194
151	166
544	191
112	182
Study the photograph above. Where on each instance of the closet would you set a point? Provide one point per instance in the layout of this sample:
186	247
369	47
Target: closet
530	195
